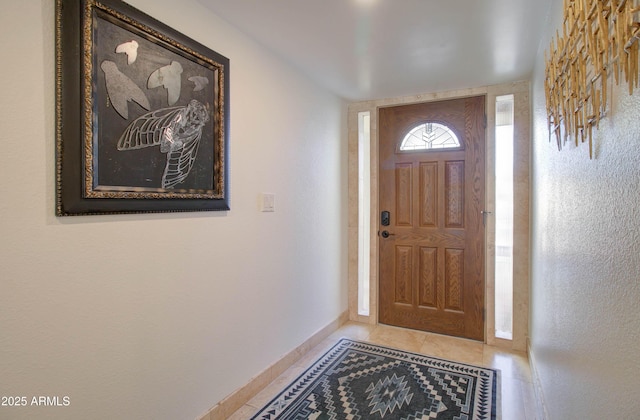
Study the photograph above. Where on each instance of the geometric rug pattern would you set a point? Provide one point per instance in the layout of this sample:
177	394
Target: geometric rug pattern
356	380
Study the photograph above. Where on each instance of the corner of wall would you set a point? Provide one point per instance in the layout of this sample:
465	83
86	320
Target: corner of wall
540	406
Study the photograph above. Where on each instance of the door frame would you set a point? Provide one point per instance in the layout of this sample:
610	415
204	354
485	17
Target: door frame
522	125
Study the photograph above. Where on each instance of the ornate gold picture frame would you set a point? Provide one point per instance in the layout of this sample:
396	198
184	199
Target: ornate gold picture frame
142	114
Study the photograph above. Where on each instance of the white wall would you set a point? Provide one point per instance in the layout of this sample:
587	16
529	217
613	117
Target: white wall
585	323
160	316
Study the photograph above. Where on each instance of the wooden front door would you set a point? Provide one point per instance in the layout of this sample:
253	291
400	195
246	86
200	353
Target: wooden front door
432	246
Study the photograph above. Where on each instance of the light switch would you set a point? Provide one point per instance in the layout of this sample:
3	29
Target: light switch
267	202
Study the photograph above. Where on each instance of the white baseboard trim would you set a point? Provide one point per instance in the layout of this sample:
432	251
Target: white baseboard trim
541	408
242	395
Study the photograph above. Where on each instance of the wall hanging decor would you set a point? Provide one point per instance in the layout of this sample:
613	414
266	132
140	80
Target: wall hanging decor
598	45
142	114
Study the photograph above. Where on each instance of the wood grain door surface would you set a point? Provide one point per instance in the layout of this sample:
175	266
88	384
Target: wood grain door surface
432	264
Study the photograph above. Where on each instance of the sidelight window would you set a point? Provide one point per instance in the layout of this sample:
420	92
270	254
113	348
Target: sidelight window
504	217
364	209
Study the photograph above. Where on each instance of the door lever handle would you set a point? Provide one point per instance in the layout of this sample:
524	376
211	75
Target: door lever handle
484	216
385	234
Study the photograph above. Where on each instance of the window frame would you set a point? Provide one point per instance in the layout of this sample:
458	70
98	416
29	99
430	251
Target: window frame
453	131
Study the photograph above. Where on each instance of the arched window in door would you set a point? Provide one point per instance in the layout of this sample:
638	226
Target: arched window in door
430	135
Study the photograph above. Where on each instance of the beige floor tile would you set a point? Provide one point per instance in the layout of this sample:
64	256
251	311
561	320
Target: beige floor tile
453	348
276	386
315	353
398	338
529	400
354	331
513	403
511	364
517	395
244	413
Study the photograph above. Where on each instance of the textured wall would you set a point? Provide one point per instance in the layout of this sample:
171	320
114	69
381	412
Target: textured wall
585	324
160	316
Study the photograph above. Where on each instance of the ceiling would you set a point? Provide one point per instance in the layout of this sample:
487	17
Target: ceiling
373	49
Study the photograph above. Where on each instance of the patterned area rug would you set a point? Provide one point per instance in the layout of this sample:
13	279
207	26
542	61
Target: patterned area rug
356	380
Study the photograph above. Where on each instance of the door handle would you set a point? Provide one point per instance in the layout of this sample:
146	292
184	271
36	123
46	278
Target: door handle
484	217
385	234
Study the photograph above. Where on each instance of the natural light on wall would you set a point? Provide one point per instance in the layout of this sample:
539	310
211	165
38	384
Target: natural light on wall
504	217
364	208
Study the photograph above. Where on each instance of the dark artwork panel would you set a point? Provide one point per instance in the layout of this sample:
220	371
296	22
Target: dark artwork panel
142	114
140	83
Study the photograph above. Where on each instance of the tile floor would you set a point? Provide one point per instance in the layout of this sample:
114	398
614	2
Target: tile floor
518	401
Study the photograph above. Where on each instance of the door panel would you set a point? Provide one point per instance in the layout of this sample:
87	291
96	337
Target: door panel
428	194
404	193
428	277
454	192
432	261
404	275
454	279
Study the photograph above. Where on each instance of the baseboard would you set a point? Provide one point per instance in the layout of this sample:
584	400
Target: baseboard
242	395
541	408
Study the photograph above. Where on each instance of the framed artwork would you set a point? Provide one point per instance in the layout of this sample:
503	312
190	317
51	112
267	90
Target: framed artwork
142	114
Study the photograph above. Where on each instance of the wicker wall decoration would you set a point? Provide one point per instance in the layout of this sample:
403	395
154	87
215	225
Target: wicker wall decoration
598	44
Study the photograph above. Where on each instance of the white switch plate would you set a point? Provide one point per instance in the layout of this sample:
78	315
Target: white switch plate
267	202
